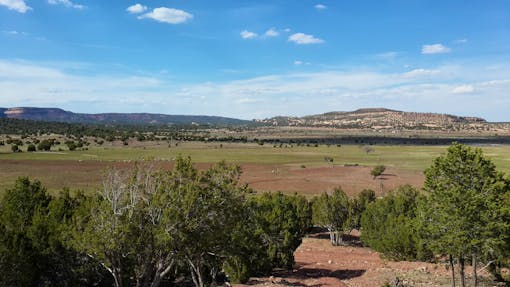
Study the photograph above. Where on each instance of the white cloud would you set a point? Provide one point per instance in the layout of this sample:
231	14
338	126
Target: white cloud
16	5
271	33
136	9
435	49
66	3
420	73
461	41
464	89
168	15
320	7
304	39
298	62
287	30
245	34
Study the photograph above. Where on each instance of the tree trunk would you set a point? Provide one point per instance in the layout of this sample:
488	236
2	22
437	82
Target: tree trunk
336	238
475	277
118	279
160	274
196	274
339	239
461	271
452	267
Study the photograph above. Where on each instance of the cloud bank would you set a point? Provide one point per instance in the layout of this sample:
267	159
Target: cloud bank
437	89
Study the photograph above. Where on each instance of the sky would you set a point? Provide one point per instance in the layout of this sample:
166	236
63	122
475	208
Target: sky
257	59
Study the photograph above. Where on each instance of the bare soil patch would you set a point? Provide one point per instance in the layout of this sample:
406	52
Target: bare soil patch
75	174
319	264
317	179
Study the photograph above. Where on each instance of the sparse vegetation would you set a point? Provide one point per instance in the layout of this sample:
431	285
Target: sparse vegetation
377	171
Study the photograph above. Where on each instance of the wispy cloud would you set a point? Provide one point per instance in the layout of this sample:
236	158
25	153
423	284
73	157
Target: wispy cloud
168	15
16	5
417	90
271	33
461	41
464	89
245	34
136	9
14	33
304	39
435	49
420	73
320	7
66	3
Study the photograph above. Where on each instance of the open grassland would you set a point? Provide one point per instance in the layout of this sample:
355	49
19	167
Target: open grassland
292	169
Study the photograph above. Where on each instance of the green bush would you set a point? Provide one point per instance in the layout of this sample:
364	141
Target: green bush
31	148
45	145
389	226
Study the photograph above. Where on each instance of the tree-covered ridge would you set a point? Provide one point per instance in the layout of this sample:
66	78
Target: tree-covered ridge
59	115
109	132
380	119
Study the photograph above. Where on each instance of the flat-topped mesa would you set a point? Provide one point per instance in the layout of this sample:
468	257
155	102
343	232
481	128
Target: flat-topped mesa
59	115
36	113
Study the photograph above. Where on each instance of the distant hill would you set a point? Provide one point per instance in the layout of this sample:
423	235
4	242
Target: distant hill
383	119
59	115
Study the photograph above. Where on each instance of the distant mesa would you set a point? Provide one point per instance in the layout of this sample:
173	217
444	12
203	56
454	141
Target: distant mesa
382	119
59	115
376	119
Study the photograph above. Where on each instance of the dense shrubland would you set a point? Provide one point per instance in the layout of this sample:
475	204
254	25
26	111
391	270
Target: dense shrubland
153	227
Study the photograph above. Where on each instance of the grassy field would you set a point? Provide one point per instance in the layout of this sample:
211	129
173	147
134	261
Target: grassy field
84	167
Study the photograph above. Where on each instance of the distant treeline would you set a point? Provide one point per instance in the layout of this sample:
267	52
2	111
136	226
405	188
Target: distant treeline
111	132
18	126
389	140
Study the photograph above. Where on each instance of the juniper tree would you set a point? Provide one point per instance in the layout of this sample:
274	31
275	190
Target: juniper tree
462	214
332	212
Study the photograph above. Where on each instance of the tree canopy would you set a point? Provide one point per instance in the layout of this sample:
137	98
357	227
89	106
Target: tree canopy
463	212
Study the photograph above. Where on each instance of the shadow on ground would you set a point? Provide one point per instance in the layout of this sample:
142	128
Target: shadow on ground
295	278
348	239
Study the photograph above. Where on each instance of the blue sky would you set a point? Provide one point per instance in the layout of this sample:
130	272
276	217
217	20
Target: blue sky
256	59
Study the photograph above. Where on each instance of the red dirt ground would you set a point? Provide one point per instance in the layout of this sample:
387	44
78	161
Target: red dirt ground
319	264
261	177
313	180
